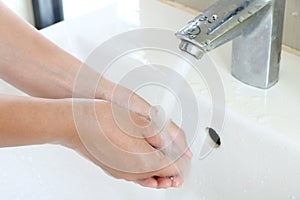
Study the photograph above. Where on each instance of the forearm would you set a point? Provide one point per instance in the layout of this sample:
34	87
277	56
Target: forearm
32	63
38	67
29	121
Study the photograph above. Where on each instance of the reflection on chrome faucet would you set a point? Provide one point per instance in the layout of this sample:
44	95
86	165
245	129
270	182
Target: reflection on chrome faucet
256	28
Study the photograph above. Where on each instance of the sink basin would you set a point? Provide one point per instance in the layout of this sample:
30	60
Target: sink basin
259	152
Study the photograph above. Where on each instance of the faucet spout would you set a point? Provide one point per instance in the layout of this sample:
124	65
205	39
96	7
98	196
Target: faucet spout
255	26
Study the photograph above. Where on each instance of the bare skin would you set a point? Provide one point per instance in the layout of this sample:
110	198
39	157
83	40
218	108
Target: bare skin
33	64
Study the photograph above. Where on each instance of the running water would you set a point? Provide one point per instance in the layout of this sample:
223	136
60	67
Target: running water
166	87
172	105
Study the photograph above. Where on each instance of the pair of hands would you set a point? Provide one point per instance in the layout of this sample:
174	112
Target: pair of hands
118	134
146	155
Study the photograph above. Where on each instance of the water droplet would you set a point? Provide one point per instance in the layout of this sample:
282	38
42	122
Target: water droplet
295	14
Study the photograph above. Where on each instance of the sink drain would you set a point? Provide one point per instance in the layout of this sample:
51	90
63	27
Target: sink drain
214	136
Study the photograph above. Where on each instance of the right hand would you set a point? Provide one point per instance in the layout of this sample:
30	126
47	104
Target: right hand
126	149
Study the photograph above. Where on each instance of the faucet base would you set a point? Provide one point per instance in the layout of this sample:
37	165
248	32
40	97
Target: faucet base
257	51
256	28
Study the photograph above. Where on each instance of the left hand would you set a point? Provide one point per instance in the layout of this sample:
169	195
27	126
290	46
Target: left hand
128	99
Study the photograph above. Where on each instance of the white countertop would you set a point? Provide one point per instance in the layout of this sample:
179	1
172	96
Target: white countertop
50	172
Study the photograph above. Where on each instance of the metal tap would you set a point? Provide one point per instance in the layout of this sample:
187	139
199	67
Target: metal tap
256	28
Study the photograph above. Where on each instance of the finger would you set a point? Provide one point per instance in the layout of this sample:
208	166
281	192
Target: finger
170	133
126	98
122	96
149	182
169	170
161	182
164	182
179	167
139	105
156	125
147	128
178	141
177	181
156	141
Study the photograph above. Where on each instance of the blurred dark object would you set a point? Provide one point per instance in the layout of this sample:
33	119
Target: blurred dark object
47	12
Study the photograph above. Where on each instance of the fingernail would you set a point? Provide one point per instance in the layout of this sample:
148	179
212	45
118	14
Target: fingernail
175	183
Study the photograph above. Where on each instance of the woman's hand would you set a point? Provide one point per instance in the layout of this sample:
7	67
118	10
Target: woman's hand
122	96
126	149
126	146
40	68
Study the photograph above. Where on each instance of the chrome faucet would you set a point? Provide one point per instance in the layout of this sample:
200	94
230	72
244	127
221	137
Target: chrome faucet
256	28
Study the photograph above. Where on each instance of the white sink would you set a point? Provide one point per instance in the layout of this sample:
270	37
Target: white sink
259	155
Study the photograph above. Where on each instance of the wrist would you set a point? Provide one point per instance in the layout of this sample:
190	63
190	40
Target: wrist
64	129
77	113
31	121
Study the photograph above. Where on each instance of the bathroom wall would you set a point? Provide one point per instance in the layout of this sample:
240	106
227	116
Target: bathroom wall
292	24
292	18
22	7
291	28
